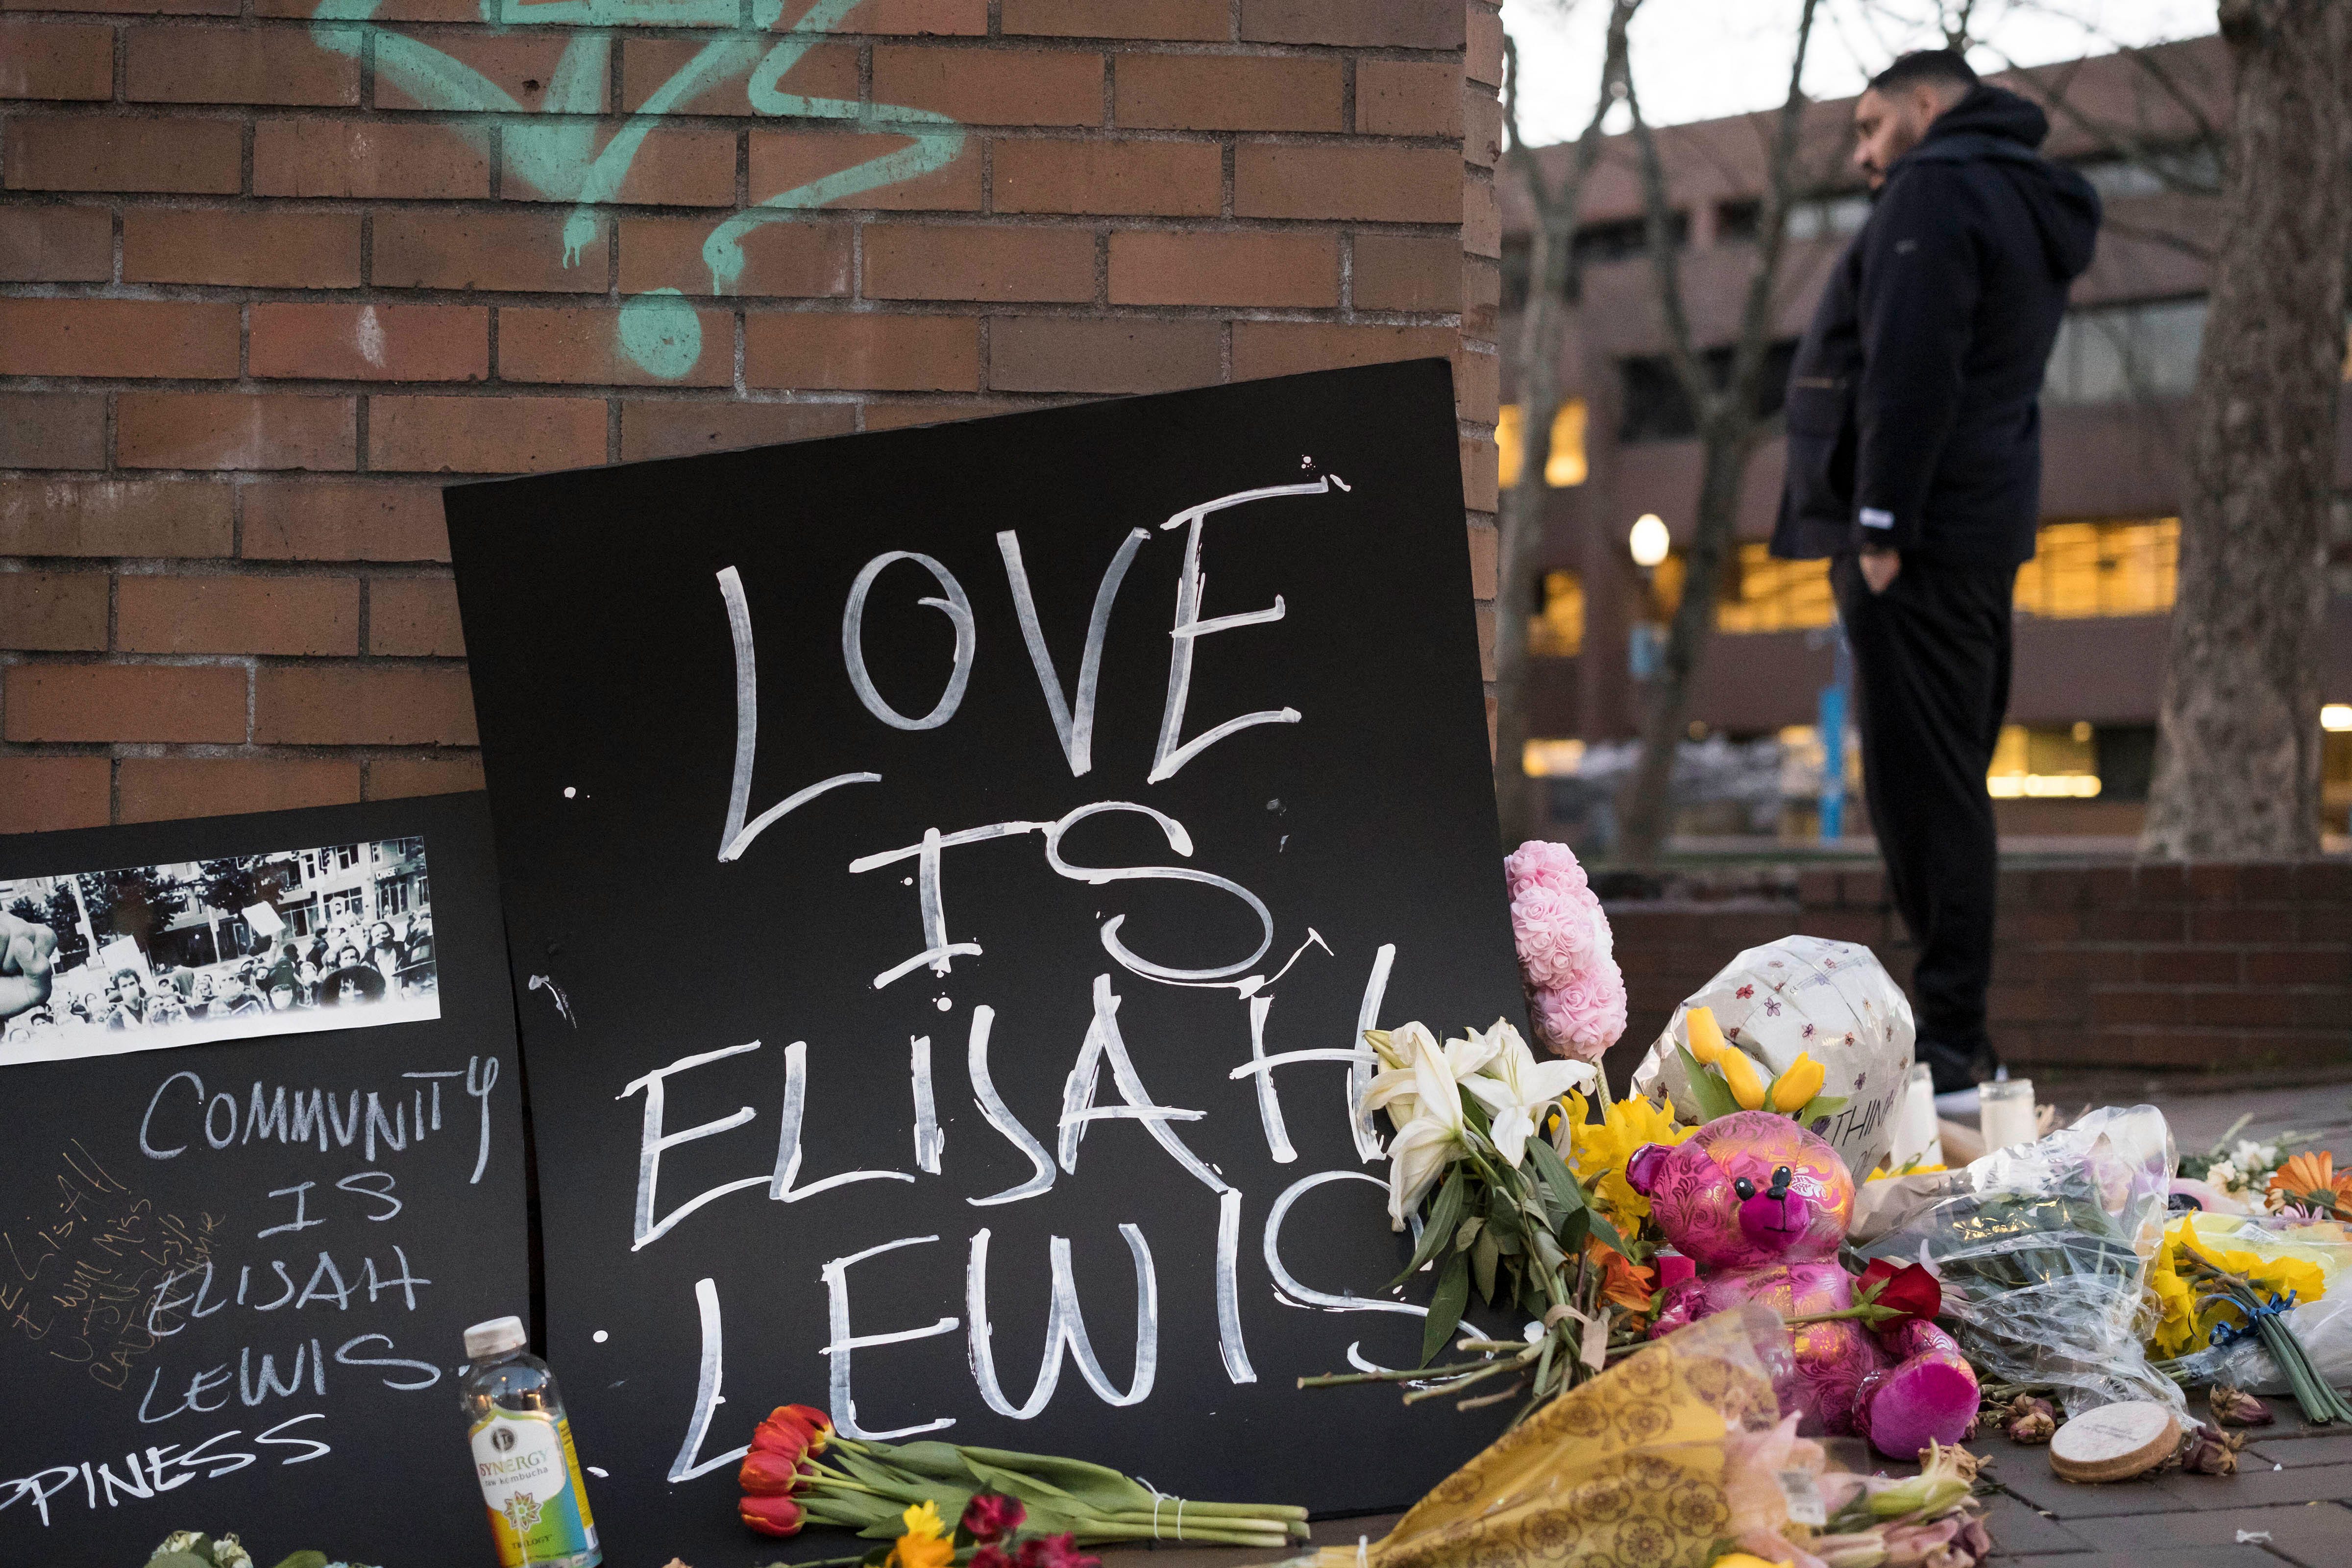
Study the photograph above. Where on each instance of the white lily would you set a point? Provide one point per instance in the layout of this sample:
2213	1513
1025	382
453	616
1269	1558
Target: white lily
1431	1136
1514	1088
1396	1087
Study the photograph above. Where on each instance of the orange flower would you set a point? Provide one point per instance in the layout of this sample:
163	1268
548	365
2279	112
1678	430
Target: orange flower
2309	1180
1622	1281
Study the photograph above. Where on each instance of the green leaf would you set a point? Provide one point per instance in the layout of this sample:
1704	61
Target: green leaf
1484	1256
1573	1230
1467	1233
1608	1234
1445	1214
1707	1087
305	1560
1503	1225
1445	1307
1562	1192
1820	1105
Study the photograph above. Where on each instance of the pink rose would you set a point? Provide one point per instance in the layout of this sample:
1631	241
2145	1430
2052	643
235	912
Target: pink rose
1539	864
1553	933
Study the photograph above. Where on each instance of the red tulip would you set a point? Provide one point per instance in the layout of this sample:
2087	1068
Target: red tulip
785	1440
771	1515
992	1516
1055	1551
768	1473
814	1426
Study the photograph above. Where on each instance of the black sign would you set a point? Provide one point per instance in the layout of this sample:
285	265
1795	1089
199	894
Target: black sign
947	873
259	1186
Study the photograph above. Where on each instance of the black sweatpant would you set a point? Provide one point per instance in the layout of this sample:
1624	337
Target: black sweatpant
1931	659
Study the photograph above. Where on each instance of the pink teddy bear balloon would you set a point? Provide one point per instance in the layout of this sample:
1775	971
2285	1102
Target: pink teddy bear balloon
1760	1206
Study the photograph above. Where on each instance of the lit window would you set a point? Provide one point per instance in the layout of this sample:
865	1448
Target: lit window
1558	630
2115	354
2335	718
1552	759
2083	568
2044	764
1566	465
1762	594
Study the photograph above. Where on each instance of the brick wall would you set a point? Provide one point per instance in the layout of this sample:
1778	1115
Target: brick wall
271	270
2238	971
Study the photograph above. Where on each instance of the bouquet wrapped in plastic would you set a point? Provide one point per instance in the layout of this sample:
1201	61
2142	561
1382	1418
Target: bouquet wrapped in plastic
1802	997
1669	1458
2043	1252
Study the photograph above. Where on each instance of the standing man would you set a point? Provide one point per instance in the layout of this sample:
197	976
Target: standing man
1915	464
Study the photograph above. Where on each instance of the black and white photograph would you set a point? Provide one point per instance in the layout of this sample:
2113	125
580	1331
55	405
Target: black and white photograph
140	958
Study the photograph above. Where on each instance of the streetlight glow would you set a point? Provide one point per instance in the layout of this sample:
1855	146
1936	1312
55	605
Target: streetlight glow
1649	541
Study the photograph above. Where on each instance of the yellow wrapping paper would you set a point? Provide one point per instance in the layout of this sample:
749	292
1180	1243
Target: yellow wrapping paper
1626	1471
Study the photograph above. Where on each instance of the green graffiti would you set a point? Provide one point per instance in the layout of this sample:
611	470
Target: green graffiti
558	158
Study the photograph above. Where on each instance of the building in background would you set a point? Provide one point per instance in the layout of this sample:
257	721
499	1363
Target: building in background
2091	607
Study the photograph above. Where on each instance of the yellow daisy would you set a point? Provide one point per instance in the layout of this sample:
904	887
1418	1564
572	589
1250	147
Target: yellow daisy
1598	1151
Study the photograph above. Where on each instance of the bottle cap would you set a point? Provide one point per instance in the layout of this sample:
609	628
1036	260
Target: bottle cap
495	1338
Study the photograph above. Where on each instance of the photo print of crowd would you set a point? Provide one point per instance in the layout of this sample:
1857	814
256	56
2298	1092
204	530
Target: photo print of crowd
142	957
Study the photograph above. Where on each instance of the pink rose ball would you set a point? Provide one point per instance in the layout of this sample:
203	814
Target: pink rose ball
1539	864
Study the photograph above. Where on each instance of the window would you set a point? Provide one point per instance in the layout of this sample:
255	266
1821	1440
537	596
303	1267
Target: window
2115	354
345	904
2083	569
342	857
1738	223
1830	216
1557	628
302	919
2196	167
2045	764
1762	594
1655	408
391	896
1623	237
1566	465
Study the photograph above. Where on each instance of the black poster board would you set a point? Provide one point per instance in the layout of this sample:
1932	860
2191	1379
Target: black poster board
235	1275
761	1133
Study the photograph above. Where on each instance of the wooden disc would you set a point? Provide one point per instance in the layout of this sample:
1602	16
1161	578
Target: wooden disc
2115	1442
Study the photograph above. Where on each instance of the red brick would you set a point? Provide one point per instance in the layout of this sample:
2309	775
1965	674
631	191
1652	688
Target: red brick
684	427
942	18
1000	87
1227	92
2117	1004
864	351
371	342
1481	130
131	7
2262	883
414	618
1477	386
676	165
2244	1009
1060	354
1285	348
41	794
1482	50
1482	220
95	153
1180	21
1176	179
785	161
1387	185
520	65
52	430
365	159
1484	562
235	430
240	65
2330	881
2160	884
237	614
1818	890
290	522
397	10
2140	925
55	61
56	245
53	611
649	65
160	789
787	258
1373	24
900	413
496	436
1403	272
519	251
362	705
397	778
2241	924
260	250
2324	923
1482	297
117	337
1203	269
2212	882
125	702
2184	965
114	517
1406	97
945	262
1479	484
687	347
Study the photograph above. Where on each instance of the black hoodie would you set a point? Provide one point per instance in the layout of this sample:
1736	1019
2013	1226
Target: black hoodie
1914	410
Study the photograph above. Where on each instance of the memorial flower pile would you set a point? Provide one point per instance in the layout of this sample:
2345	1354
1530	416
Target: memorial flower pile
801	1471
2208	1295
194	1549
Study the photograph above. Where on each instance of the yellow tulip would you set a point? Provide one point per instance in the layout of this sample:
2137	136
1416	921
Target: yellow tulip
1707	1041
1747	1084
1793	1089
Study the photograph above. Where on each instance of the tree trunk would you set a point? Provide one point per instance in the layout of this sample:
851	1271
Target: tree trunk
1645	801
2238	752
1518	798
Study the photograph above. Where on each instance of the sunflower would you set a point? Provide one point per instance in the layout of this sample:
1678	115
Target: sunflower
2309	1181
1598	1150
